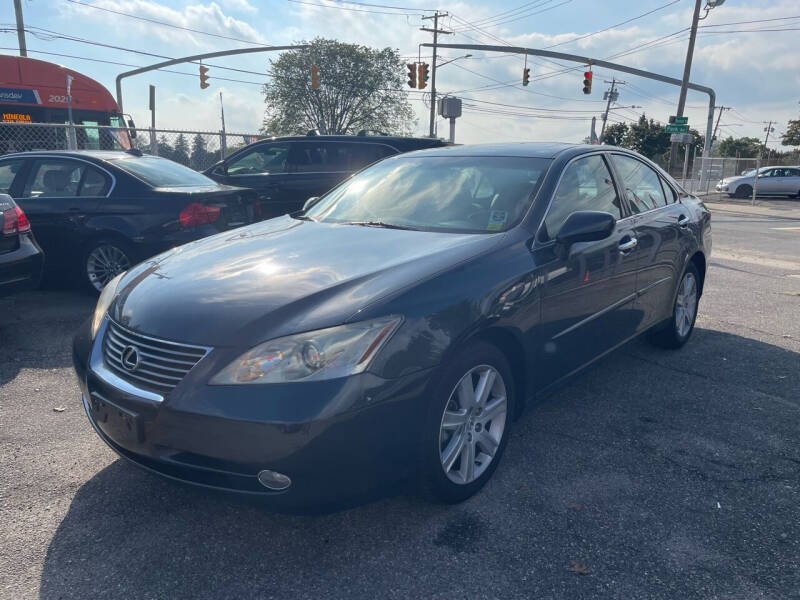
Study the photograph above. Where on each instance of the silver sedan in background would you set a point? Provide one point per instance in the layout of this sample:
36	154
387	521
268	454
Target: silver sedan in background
772	181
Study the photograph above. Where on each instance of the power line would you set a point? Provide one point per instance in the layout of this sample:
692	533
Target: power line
522	7
650	12
361	10
511	19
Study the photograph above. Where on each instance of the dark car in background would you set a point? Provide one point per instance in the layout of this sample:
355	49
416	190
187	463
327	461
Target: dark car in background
397	326
21	259
98	213
286	171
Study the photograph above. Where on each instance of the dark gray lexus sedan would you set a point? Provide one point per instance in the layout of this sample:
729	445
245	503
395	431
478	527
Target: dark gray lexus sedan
395	326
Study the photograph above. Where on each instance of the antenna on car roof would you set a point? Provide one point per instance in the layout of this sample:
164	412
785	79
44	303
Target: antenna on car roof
312	133
133	152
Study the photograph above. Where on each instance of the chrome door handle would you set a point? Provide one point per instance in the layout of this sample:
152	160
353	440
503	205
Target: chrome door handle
626	247
683	221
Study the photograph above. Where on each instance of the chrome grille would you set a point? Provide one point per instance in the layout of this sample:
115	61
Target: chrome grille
162	364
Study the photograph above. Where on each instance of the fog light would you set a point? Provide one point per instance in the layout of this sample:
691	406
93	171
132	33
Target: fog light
273	480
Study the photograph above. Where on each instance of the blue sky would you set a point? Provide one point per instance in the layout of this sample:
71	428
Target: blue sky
756	72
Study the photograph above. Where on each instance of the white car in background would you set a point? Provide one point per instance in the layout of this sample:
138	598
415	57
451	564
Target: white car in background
772	181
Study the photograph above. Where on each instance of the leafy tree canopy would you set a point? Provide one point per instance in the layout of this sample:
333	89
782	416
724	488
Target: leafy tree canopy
792	135
743	147
360	88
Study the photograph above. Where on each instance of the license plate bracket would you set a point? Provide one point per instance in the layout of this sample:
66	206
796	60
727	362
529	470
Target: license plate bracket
122	425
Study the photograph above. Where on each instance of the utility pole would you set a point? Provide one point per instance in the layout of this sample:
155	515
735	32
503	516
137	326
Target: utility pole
435	31
612	96
23	49
769	129
719	118
687	68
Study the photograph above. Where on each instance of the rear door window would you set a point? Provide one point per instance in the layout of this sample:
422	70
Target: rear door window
54	178
8	171
641	184
95	183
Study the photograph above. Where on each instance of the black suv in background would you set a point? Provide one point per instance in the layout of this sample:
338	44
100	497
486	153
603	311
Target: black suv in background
21	259
287	171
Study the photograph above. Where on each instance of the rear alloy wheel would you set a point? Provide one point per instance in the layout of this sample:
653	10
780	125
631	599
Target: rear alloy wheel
676	331
104	261
468	428
744	191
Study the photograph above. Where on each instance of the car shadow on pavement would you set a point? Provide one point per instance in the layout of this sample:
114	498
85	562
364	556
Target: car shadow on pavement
626	469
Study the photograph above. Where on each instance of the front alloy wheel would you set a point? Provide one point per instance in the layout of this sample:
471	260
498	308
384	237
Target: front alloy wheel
473	424
467	423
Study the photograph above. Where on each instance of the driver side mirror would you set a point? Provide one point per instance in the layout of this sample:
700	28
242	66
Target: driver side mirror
586	226
132	129
310	202
221	168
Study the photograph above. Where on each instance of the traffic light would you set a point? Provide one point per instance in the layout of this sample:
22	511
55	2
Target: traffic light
203	77
422	75
412	75
587	82
526	76
314	77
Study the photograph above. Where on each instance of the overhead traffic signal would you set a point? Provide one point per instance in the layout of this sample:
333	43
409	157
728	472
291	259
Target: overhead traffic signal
314	77
526	76
203	77
587	82
412	75
422	75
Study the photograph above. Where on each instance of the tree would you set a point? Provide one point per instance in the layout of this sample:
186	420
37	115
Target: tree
615	134
164	148
792	135
743	147
647	138
361	88
181	152
200	156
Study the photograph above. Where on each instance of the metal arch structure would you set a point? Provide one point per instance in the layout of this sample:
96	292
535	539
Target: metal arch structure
712	97
176	61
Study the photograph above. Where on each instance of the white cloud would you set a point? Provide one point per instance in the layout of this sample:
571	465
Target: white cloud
239	5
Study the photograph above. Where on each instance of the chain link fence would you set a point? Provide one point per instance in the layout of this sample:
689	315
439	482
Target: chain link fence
706	173
195	149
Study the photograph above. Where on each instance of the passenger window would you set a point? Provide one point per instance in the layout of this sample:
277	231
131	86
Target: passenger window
94	183
585	185
361	155
8	171
53	178
641	184
261	160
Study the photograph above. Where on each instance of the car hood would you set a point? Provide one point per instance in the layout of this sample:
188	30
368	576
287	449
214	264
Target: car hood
279	277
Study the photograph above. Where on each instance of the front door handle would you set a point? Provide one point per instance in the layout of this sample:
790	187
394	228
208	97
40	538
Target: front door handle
683	221
626	247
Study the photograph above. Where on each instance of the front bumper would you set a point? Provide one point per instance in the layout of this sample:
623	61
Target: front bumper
334	439
722	187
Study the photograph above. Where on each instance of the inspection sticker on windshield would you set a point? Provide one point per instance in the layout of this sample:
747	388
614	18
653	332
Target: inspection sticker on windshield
497	220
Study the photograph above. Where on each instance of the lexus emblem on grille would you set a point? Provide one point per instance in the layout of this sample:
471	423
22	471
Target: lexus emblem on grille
130	358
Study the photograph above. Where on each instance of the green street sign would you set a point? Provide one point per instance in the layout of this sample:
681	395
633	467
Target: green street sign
681	120
677	128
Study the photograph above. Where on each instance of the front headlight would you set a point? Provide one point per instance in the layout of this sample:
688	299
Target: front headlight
106	296
313	356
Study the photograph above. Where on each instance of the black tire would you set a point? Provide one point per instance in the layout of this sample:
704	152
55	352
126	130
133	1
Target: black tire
120	254
669	334
744	191
437	483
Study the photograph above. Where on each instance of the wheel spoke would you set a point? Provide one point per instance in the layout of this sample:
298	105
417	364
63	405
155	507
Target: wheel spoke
487	443
467	470
494	409
466	393
452	451
453	419
484	386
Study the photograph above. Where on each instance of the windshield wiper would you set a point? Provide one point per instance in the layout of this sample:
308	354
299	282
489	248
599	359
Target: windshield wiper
376	224
302	217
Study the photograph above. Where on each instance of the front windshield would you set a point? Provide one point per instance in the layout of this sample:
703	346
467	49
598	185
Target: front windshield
160	172
476	194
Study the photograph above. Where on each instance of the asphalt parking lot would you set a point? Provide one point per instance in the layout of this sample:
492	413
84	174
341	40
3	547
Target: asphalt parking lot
653	474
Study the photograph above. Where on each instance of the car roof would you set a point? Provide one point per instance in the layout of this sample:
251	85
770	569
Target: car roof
96	154
518	149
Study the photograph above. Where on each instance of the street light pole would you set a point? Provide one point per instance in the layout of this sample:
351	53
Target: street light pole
23	49
687	68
